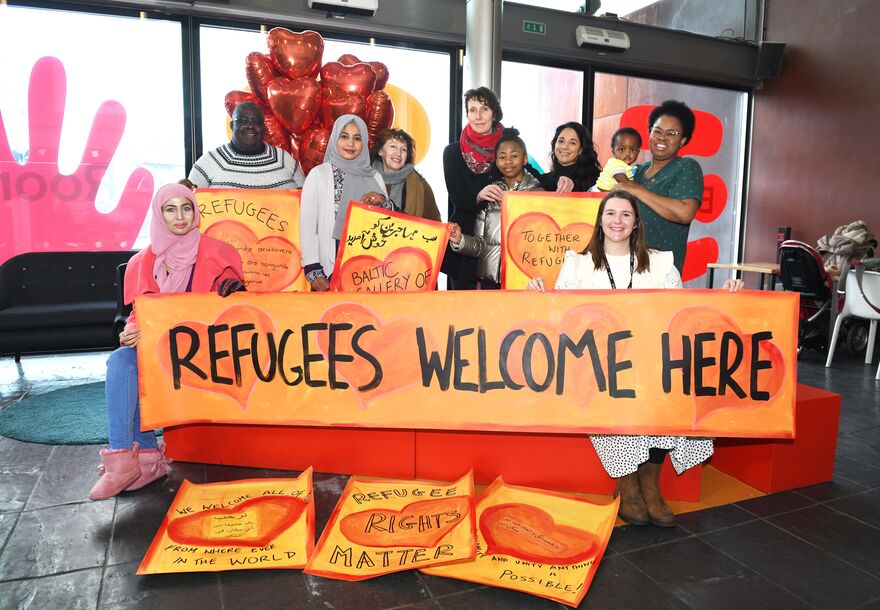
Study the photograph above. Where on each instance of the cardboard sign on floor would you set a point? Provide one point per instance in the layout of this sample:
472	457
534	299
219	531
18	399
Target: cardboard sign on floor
240	525
384	526
539	542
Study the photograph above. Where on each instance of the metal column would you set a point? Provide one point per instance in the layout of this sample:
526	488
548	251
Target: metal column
483	45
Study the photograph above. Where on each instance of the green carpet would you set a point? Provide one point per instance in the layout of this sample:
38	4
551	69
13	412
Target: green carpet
70	416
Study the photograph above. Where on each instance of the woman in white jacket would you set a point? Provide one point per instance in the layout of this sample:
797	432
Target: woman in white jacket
618	257
344	176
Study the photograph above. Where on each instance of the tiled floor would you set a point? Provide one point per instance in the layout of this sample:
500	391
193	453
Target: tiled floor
817	547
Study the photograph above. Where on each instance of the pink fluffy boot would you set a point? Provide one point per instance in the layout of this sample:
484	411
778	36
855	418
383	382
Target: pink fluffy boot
153	465
119	468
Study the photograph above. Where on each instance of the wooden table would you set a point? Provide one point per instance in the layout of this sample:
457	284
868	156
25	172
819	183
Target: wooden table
762	269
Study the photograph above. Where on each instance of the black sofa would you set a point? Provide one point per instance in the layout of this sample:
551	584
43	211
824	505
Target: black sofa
60	301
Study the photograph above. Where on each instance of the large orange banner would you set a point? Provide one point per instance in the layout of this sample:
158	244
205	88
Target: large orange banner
691	362
263	225
386	251
537	229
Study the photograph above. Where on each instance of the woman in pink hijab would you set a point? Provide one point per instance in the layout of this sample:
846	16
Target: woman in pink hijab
179	259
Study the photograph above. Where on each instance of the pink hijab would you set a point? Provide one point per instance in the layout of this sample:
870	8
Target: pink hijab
174	252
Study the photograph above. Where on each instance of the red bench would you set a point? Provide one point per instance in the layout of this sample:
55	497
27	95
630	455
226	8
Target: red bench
550	461
777	465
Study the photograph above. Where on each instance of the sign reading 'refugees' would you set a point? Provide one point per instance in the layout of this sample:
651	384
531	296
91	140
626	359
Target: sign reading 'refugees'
691	362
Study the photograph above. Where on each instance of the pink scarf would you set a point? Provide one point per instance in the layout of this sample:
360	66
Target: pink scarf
175	254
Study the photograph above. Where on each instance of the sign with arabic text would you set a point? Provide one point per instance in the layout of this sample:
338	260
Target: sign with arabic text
386	251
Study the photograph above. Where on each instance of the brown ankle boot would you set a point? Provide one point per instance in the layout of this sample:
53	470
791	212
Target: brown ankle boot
632	507
658	512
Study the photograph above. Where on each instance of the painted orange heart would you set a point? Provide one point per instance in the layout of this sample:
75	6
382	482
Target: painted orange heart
392	344
271	264
580	378
398	272
530	533
255	523
537	244
693	320
420	524
245	379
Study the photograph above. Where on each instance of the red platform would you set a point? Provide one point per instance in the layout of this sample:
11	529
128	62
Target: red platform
366	451
777	465
550	461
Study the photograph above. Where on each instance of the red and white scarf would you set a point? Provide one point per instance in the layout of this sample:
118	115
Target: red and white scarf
478	149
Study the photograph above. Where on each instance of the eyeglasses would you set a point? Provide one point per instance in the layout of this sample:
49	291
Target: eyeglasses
248	121
669	133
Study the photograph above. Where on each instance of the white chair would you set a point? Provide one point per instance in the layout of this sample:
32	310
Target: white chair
855	304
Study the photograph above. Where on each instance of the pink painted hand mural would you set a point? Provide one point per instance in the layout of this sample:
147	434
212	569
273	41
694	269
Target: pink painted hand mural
44	210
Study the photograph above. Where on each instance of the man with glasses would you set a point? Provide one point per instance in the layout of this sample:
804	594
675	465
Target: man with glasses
246	161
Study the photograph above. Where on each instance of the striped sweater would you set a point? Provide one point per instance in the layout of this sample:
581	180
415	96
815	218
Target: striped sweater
226	167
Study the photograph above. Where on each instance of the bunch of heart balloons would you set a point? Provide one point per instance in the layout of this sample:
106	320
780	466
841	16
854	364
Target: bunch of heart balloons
299	108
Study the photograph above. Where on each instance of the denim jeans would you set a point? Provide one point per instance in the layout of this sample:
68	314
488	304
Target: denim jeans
123	402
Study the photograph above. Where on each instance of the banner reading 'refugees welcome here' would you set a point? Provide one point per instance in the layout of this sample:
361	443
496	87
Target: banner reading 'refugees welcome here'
692	362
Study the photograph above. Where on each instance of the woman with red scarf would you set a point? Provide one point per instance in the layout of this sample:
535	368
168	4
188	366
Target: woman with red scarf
467	166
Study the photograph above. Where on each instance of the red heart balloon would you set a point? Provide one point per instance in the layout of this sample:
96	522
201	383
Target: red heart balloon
294	147
348	60
276	134
295	102
312	148
381	74
316	124
296	54
260	71
334	105
379	114
359	78
234	98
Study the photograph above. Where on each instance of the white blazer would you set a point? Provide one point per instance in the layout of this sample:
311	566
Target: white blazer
316	217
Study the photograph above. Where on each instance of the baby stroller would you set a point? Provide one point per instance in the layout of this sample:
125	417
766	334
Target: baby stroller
801	270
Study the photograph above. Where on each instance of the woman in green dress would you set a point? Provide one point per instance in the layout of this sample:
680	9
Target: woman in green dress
668	187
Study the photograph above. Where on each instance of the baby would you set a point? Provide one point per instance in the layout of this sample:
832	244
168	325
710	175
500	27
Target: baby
625	145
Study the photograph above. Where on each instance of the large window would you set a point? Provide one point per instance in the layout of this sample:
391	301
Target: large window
93	116
418	84
536	99
718	145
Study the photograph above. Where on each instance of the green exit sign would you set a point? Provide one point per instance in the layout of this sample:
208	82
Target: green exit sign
534	27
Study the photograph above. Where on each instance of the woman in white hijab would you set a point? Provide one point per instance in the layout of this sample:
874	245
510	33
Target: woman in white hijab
344	176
